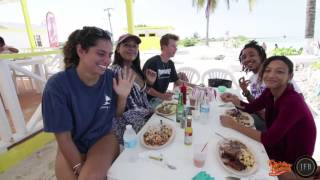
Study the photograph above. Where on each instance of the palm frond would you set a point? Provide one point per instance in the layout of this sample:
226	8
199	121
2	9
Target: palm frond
213	5
204	4
199	3
251	4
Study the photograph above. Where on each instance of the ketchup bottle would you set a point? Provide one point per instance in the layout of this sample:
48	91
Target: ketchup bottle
183	90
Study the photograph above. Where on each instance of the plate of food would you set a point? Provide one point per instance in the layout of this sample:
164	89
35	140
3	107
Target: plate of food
166	108
236	157
157	135
241	117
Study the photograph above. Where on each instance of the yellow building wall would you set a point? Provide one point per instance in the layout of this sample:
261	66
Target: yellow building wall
150	43
150	36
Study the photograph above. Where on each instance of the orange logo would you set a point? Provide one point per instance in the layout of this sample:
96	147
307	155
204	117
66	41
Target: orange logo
277	168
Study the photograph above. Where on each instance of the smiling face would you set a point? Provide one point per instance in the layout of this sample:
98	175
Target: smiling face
128	50
96	59
276	75
251	60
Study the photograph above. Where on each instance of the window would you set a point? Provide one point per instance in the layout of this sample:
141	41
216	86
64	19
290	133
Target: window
152	34
38	40
142	35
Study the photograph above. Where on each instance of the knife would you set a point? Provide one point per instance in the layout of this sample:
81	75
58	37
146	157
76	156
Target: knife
166	117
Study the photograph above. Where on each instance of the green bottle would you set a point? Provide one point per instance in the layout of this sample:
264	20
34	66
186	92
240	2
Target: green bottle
180	109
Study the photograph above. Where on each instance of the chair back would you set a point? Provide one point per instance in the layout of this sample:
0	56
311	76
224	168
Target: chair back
192	74
213	75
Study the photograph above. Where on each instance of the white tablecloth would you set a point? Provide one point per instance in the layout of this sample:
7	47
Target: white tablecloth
181	155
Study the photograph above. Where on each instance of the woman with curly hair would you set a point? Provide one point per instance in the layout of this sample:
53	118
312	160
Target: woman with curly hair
79	104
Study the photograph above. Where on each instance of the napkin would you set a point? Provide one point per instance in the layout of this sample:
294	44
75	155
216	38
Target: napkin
202	175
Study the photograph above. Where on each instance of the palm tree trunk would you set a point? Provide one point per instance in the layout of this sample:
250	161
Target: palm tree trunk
310	22
207	33
311	16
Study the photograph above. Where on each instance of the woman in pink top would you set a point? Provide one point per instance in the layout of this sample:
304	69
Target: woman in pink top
291	130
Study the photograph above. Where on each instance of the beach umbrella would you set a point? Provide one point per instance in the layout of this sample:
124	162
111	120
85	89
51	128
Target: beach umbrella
27	21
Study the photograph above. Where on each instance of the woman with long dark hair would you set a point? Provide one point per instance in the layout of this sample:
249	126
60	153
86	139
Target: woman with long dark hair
137	110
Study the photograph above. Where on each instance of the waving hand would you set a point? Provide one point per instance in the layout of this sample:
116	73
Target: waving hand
123	85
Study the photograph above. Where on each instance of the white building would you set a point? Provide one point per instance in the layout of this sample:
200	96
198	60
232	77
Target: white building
15	34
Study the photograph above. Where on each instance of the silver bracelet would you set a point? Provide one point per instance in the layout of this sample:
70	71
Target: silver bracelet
75	168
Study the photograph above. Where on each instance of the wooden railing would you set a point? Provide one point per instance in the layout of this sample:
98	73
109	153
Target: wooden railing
9	99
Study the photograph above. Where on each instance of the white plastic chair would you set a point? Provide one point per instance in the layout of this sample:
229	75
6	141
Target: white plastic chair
219	74
53	65
22	78
192	74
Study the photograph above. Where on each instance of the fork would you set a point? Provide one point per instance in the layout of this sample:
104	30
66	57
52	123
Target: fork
166	163
232	178
170	166
218	134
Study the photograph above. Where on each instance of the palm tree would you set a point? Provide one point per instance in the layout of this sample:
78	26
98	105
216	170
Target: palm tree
210	8
310	22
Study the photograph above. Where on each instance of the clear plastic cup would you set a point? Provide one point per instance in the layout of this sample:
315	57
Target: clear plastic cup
199	154
195	114
192	101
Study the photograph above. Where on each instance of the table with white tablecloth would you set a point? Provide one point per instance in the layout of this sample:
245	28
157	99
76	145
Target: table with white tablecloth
181	155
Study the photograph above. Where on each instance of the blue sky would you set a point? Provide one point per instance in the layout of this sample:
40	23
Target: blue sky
269	18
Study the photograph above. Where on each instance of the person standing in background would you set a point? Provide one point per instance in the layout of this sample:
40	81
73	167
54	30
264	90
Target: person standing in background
264	45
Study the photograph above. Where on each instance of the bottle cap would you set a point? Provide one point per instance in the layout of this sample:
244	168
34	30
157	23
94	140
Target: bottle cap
129	126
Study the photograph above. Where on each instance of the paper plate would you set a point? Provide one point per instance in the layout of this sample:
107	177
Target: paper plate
156	127
246	172
246	122
166	108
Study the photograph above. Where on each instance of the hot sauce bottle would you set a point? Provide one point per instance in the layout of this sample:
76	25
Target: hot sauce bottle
188	131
